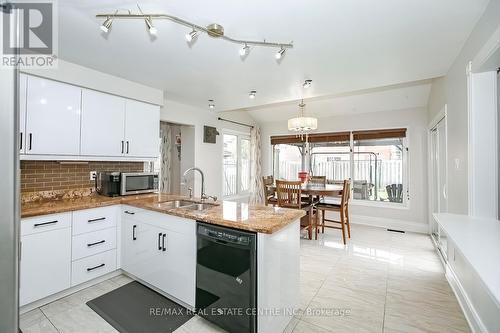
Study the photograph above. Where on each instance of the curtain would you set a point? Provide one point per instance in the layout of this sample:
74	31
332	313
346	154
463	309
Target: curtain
257	197
165	155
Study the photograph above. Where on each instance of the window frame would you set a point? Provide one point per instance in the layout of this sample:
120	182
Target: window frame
405	174
240	136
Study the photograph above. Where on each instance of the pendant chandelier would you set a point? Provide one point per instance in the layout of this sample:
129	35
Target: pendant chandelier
302	125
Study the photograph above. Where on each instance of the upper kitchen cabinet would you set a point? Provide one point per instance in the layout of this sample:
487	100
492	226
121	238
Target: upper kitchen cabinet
52	118
142	129
23	82
103	124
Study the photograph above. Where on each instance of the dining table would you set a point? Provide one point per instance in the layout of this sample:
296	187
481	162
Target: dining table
312	189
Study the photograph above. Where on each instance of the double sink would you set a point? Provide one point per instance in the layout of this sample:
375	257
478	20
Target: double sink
185	204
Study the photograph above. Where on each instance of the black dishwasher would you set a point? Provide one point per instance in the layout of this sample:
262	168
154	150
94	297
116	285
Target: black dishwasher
226	277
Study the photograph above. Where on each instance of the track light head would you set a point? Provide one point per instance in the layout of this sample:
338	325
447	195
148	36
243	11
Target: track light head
192	36
151	28
211	104
307	84
280	54
244	50
252	94
106	25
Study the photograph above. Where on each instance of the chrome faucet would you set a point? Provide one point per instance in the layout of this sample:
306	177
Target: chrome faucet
203	194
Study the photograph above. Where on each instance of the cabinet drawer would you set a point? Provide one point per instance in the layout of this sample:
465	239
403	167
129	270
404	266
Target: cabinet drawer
91	243
44	223
94	219
91	267
165	221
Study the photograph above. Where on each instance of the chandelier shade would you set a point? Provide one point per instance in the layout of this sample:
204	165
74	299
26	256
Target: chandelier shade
301	124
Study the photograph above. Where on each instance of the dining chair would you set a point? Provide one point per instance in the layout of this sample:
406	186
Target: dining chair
317	180
269	193
289	195
342	207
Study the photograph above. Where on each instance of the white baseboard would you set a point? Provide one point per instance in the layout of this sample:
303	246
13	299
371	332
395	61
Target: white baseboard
470	312
388	223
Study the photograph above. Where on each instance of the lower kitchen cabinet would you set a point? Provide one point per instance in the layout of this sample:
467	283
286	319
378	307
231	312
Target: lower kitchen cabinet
45	266
156	252
88	268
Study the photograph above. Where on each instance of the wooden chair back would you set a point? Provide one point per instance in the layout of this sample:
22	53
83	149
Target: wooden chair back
320	180
346	194
289	193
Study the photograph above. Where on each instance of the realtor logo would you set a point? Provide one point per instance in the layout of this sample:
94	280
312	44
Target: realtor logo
29	35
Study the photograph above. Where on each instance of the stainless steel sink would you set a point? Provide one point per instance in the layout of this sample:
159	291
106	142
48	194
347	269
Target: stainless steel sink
199	206
176	204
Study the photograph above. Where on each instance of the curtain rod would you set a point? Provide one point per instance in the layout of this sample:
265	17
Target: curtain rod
234	122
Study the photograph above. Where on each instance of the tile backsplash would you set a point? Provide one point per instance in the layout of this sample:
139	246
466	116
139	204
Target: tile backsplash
38	176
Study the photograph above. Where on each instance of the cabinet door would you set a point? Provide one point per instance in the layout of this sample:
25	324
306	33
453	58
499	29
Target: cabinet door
140	249
45	266
52	118
103	124
142	129
22	112
175	273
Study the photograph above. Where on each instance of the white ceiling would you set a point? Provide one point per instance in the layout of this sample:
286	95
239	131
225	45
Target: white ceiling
341	45
387	99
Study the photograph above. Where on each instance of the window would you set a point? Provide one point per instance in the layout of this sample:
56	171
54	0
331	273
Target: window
236	164
375	160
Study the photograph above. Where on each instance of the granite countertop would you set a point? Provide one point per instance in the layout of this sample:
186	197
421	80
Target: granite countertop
231	214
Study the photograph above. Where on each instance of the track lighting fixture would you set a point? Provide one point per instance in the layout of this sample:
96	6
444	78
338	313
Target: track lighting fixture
307	83
252	94
106	25
151	28
280	54
213	30
211	104
191	36
244	50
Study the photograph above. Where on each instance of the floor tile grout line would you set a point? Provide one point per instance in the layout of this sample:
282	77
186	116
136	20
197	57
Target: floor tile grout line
50	321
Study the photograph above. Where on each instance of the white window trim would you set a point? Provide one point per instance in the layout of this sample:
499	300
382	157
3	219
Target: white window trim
239	194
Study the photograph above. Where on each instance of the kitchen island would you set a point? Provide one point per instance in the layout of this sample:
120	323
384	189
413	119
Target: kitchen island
156	243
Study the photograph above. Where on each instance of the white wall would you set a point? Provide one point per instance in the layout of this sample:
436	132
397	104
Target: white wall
89	78
412	218
208	157
455	95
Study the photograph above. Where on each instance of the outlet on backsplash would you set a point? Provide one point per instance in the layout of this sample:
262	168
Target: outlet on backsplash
93	175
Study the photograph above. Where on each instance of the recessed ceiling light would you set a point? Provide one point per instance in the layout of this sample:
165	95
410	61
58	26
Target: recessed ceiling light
151	28
211	104
106	25
252	94
307	83
280	54
244	50
191	36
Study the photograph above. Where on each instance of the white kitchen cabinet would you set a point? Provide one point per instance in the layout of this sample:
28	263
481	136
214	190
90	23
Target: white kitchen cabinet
52	117
103	124
22	112
89	268
142	129
45	266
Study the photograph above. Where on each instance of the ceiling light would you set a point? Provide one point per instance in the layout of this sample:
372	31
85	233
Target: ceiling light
211	104
244	50
280	53
307	83
106	25
191	36
252	94
149	23
301	124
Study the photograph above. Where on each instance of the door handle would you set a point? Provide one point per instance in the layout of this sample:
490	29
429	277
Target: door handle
96	267
123	146
21	141
129	213
159	240
96	243
95	220
128	144
163	243
133	232
45	223
30	141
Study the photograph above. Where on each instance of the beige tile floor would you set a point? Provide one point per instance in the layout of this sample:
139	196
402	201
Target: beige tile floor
387	282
